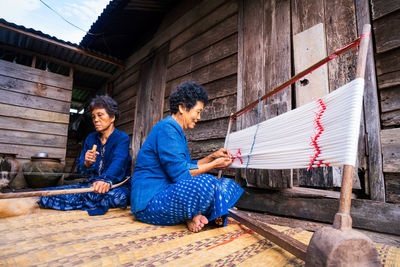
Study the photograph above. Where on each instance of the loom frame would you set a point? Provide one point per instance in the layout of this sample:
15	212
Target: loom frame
342	220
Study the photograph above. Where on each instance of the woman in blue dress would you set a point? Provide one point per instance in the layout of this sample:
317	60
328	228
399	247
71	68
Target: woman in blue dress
109	164
168	187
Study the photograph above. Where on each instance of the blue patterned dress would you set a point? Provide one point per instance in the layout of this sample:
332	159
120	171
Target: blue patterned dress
163	190
112	165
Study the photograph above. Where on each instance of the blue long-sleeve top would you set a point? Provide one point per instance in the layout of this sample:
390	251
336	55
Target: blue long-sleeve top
163	159
113	163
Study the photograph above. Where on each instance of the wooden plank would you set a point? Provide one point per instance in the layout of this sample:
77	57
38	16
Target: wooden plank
128	104
391	119
390	99
35	89
174	29
374	179
308	48
204	130
219	108
127	93
277	69
34	75
388	62
32	114
386	35
366	214
305	15
340	29
150	97
122	85
127	128
159	84
201	149
391	149
222	87
381	8
217	33
35	102
209	21
26	152
37	139
286	242
218	70
311	192
213	53
17	124
389	79
126	117
392	185
142	121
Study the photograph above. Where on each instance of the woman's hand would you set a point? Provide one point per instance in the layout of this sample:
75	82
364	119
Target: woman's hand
101	187
222	163
221	153
90	157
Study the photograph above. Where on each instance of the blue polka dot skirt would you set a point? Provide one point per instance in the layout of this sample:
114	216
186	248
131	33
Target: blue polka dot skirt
203	194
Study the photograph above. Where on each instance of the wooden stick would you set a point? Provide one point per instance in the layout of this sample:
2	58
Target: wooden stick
286	242
227	133
343	219
296	77
54	192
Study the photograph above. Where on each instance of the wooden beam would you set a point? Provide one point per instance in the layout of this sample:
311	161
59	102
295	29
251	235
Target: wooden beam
366	214
66	46
371	112
286	242
57	61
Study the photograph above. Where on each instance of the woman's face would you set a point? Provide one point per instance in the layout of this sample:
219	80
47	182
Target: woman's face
191	117
101	120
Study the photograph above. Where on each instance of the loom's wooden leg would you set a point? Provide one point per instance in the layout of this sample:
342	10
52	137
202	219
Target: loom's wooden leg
340	245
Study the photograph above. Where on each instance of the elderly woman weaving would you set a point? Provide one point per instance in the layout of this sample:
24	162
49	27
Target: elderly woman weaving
167	186
107	165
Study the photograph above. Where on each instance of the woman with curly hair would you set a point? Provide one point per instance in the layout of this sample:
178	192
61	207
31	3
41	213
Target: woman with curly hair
168	187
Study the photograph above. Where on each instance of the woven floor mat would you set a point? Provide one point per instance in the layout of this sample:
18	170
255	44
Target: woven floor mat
54	238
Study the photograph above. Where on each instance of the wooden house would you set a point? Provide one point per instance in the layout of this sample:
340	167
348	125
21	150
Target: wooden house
239	50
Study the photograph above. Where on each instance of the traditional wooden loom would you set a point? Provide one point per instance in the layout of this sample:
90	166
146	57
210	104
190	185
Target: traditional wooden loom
339	245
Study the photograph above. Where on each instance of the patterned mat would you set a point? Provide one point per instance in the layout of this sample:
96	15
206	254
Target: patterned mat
53	238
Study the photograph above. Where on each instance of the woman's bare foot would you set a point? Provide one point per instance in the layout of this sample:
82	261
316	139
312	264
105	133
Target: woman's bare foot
197	223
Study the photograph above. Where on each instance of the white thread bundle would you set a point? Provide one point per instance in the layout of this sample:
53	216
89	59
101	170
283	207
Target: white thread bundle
284	142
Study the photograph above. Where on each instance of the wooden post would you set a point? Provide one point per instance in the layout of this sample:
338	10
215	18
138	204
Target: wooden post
227	133
342	218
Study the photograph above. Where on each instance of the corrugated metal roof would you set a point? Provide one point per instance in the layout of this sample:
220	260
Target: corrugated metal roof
22	41
125	25
92	68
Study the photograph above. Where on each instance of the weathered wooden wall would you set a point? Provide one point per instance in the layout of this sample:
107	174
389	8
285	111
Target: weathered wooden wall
34	111
202	47
386	18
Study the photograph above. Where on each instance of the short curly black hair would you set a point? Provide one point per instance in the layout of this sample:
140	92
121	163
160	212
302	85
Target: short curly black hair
187	94
106	102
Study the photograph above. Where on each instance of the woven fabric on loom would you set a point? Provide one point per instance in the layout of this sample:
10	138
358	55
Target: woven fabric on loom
53	238
321	133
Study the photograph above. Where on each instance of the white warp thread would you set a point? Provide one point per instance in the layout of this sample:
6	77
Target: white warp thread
284	142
